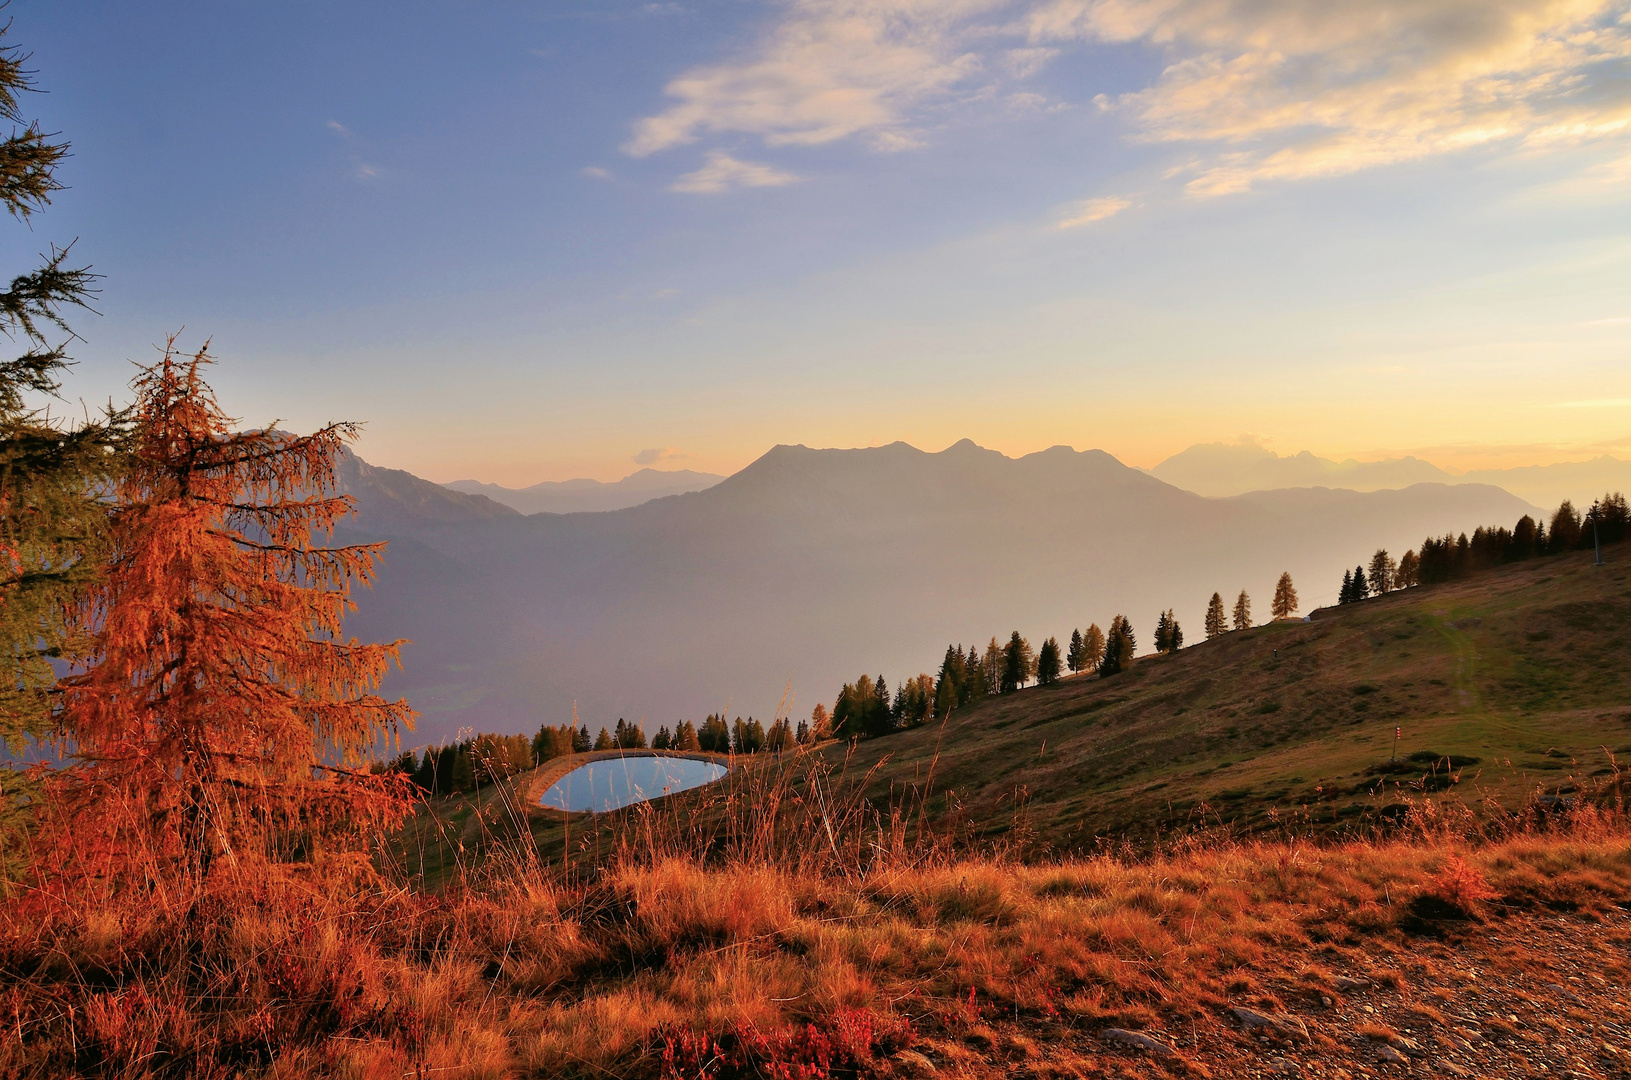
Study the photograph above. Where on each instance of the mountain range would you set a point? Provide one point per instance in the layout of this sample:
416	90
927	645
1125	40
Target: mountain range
1224	469
811	566
579	496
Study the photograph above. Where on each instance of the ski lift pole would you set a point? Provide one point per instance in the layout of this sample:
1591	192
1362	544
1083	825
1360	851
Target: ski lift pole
1397	731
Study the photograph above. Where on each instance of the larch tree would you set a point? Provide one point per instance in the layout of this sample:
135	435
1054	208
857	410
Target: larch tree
1215	619
1092	647
219	712
1243	611
1285	597
1383	571
1409	570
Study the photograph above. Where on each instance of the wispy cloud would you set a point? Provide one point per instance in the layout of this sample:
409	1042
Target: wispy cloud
597	172
657	455
828	70
1294	89
339	129
1090	210
724	173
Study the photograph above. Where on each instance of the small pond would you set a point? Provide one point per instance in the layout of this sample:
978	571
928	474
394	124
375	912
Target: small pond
617	782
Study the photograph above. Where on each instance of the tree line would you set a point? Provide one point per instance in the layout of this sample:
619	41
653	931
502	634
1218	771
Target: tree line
1450	557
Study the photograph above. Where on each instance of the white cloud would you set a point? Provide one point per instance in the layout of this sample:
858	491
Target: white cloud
339	129
597	172
1293	89
1023	63
828	70
724	173
1090	210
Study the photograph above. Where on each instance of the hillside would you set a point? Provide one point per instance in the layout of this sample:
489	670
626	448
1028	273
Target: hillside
810	566
1504	685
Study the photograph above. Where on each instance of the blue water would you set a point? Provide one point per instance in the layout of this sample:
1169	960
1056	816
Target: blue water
616	782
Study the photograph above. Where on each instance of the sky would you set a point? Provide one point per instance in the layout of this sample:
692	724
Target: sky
535	241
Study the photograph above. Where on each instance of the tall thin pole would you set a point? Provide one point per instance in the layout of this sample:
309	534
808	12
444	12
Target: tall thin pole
1397	731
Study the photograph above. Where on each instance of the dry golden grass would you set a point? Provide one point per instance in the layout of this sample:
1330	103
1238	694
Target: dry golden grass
660	963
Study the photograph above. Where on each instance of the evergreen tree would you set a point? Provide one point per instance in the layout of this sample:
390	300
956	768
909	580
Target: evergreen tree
1346	595
714	736
603	741
1163	633
219	706
1018	664
551	743
1285	597
1177	638
802	735
580	741
820	723
1243	611
1073	655
685	737
53	521
1092	647
1120	645
1564	532
1215	618
1047	663
446	756
424	777
1361	587
463	774
662	739
973	677
1382	570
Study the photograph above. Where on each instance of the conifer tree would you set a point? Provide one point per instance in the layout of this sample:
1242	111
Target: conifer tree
1215	624
1177	634
463	776
1047	663
1163	633
424	777
1092	647
1285	597
661	740
685	737
802	735
973	676
1382	569
991	666
218	709
603	741
820	723
1018	664
1073	655
1361	587
1346	595
1120	645
1243	611
580	741
1564	532
53	522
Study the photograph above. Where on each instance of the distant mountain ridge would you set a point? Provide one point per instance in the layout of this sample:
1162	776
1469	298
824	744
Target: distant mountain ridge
581	496
1223	469
1220	470
815	565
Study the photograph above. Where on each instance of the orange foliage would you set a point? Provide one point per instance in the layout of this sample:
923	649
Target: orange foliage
221	714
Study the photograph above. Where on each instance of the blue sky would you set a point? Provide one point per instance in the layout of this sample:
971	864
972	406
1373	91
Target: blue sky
532	241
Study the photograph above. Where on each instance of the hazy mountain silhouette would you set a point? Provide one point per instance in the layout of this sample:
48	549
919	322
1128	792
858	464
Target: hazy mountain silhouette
391	499
1221	469
577	496
1548	485
814	565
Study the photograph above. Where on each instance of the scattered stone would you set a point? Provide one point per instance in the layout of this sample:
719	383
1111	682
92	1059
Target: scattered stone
1284	1067
913	1064
1386	1053
1446	1065
1459	1043
1285	1026
1409	1047
1137	1039
1348	986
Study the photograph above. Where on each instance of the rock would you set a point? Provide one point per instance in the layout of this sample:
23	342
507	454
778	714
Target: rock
913	1064
1386	1053
1460	1044
1409	1047
1284	1067
1348	986
1446	1065
1288	1027
1137	1039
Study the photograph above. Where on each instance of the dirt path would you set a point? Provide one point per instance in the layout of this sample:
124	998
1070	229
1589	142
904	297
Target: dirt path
1528	996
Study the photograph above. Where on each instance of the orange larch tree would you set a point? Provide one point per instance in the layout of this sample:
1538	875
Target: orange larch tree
221	716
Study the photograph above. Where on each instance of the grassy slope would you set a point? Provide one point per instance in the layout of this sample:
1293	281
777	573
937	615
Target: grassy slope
1524	668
